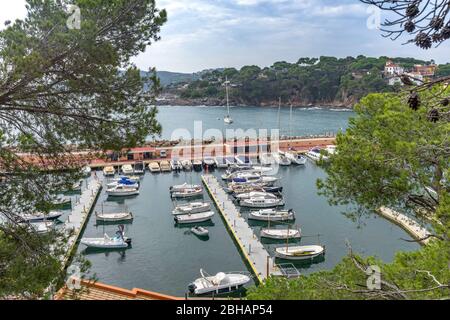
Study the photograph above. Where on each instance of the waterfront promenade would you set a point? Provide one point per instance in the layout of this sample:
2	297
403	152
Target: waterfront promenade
77	219
251	248
409	225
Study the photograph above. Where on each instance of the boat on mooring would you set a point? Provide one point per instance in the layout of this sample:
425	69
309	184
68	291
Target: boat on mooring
295	158
139	168
123	182
200	231
181	187
154	167
255	194
261	203
218	284
281	234
194	218
192	207
122	191
272	215
299	252
38	217
114	217
127	169
187	193
165	166
187	165
119	241
109	171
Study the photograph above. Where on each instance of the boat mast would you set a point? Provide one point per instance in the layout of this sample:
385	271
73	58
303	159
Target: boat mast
290	122
279	115
228	98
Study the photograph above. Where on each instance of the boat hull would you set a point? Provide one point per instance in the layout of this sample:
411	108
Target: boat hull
193	218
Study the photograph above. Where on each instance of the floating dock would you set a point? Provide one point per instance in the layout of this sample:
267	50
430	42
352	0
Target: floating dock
77	219
251	248
409	225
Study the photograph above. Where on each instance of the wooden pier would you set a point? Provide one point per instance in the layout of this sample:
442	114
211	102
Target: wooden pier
409	225
251	248
77	219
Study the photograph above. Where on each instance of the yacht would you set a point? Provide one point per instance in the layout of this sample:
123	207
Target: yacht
154	167
122	191
281	159
272	215
220	283
109	171
295	158
127	169
261	202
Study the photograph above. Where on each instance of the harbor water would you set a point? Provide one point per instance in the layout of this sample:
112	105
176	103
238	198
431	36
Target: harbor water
166	258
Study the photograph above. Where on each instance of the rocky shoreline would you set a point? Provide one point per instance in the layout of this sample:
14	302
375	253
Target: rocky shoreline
349	104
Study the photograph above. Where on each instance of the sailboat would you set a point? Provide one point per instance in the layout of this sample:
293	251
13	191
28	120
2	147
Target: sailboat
227	119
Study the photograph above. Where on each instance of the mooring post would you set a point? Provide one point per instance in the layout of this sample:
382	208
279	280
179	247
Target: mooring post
267	266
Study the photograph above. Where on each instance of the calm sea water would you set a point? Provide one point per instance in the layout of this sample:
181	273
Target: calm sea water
180	121
166	258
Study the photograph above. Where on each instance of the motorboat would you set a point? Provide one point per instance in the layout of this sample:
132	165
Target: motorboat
86	171
315	154
261	203
187	165
200	231
194	218
220	283
42	227
192	207
267	180
122	191
139	168
255	194
299	252
234	172
165	166
124	182
272	215
281	234
295	158
273	189
114	217
62	202
267	159
209	161
133	179
154	167
281	159
187	193
198	165
119	241
127	169
220	162
109	171
183	186
176	165
243	160
38	217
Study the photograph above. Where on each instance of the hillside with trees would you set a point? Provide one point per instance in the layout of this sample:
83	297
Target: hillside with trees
326	81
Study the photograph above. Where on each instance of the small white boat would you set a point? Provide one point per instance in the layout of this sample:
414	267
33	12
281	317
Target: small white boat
315	155
256	194
38	217
281	159
114	217
281	234
181	187
154	167
118	242
122	191
261	203
187	165
139	168
123	182
42	227
200	231
127	169
194	218
299	253
220	283
297	159
228	120
86	171
176	165
267	159
165	166
187	193
272	215
109	171
193	207
209	161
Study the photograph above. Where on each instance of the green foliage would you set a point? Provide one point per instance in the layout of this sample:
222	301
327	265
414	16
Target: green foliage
347	281
63	89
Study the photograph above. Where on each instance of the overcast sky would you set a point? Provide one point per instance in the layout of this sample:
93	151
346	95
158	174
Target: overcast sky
202	34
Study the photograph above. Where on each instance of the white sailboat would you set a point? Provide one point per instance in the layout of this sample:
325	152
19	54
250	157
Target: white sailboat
118	242
227	119
193	207
272	215
194	218
281	234
299	253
